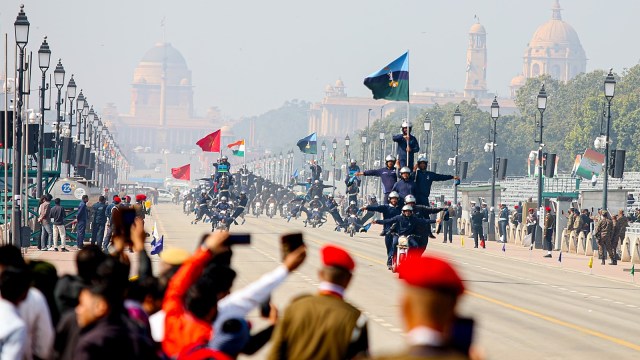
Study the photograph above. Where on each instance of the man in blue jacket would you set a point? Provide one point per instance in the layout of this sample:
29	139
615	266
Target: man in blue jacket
388	211
405	185
81	220
388	176
424	179
407	144
99	221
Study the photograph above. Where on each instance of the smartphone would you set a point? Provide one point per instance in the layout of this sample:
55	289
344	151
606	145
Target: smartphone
265	308
290	242
122	220
462	334
239	239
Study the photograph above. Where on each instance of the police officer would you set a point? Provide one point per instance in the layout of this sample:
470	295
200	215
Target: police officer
408	225
604	233
405	185
388	176
476	226
352	172
502	222
223	167
549	229
99	221
241	201
316	170
332	207
407	143
388	211
424	179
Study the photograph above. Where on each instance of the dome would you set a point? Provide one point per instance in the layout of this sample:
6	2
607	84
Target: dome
518	81
328	88
161	51
339	83
556	32
477	28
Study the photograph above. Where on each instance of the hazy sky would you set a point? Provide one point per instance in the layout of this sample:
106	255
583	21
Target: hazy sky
247	57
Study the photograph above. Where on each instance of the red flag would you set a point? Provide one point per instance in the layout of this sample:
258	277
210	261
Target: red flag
211	142
182	173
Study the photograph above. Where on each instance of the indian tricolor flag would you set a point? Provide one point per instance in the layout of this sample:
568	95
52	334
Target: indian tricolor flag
239	148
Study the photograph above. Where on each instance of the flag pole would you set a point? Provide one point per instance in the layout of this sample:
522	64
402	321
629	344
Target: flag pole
408	109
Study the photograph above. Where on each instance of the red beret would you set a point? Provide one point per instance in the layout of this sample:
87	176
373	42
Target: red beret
547	209
141	197
431	273
516	207
335	256
117	199
128	198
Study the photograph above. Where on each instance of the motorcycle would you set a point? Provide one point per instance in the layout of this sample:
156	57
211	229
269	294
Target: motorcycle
285	210
186	209
257	210
221	223
316	218
402	251
271	211
352	226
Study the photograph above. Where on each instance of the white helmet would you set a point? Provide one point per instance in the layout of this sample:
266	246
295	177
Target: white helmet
223	199
406	123
353	161
316	197
407	208
394	194
405	170
352	202
390	158
409	199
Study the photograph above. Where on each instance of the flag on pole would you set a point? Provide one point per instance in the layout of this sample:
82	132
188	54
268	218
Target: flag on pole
154	234
462	240
157	244
211	142
591	262
182	173
560	257
239	145
633	269
392	81
309	144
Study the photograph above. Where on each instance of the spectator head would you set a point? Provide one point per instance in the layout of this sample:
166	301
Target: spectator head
87	261
337	266
43	198
172	257
620	212
10	256
102	199
147	292
49	197
56	201
85	198
214	284
430	293
231	337
14	284
105	293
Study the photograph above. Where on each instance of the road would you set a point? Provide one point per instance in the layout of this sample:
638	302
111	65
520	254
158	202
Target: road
528	308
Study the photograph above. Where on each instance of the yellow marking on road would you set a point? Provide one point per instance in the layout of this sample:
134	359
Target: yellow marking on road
556	321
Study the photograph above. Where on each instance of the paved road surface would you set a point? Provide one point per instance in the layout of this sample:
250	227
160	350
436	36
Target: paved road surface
525	307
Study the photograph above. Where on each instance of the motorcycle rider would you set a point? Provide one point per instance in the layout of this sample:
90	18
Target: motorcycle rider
352	172
241	202
407	225
388	176
296	206
424	179
316	203
202	203
405	185
388	211
422	211
271	200
353	210
332	207
316	170
372	202
223	167
407	143
223	205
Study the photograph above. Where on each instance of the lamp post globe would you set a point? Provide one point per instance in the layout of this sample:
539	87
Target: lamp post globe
44	55
71	88
58	75
21	27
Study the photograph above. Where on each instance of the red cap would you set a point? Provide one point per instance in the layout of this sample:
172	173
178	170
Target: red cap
332	255
128	198
431	273
117	199
141	197
547	209
516	207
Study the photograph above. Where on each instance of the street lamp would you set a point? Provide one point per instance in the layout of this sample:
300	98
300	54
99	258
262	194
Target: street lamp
58	79
542	105
427	130
281	165
71	94
324	148
495	114
457	120
21	27
44	61
334	145
347	142
609	92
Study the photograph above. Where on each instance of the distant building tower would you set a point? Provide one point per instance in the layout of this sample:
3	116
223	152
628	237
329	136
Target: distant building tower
476	85
555	50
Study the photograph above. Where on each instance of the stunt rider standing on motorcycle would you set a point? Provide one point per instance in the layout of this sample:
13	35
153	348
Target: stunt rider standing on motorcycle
388	176
409	226
405	185
422	211
388	211
424	179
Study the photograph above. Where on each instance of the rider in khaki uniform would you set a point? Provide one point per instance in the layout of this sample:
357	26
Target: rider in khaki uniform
431	289
323	326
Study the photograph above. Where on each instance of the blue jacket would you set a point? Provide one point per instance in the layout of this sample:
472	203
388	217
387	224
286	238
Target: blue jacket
388	177
404	187
401	151
351	172
83	212
407	225
423	180
387	212
222	206
99	214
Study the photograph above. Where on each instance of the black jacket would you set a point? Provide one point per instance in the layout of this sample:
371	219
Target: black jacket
58	215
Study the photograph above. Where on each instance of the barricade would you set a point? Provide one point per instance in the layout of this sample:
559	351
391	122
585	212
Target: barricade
635	251
564	241
626	249
591	245
573	241
581	247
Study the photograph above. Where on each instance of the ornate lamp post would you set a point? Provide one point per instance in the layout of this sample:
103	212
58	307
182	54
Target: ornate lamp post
347	142
542	106
457	120
71	94
609	92
334	145
427	130
58	79
44	61
324	148
491	146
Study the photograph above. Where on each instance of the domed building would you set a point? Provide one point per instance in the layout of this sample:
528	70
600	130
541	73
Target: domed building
554	50
161	114
476	79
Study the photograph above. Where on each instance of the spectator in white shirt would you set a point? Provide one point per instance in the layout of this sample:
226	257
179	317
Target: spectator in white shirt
14	285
